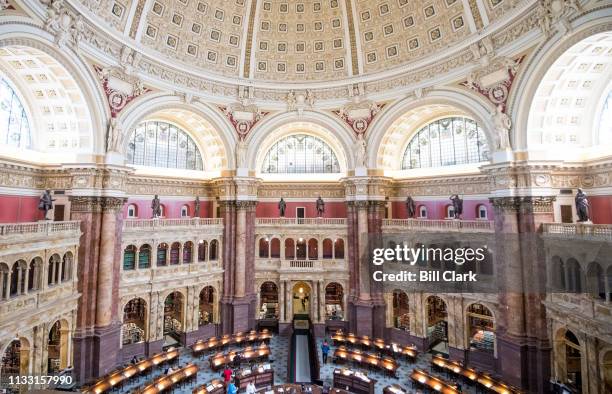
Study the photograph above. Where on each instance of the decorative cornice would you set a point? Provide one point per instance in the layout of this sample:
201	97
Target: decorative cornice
96	204
530	204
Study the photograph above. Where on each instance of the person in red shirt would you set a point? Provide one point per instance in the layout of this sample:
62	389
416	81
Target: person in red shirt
227	375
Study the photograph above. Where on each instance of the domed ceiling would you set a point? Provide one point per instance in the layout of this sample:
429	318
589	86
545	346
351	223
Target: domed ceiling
304	40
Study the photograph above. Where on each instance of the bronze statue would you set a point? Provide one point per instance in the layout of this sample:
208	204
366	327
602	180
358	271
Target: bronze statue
196	207
457	205
282	205
156	207
320	207
582	206
410	207
46	202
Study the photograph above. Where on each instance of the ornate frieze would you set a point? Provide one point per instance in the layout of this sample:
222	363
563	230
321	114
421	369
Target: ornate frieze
529	204
96	204
441	186
142	185
300	190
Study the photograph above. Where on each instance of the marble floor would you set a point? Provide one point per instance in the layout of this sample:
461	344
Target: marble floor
280	353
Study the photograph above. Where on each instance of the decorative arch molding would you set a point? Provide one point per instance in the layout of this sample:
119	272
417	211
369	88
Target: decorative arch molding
460	101
338	135
151	104
28	35
595	21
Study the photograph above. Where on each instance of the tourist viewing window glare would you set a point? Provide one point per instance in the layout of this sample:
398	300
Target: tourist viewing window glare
14	125
446	142
161	144
300	153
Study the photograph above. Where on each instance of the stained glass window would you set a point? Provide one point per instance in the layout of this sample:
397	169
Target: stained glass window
161	144
300	154
14	125
446	142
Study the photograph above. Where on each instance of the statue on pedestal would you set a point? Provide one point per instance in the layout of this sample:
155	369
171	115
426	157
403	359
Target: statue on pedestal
582	206
156	207
46	203
320	207
457	205
196	207
282	206
410	207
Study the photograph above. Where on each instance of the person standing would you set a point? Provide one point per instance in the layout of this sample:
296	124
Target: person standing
250	388
231	388
325	350
227	375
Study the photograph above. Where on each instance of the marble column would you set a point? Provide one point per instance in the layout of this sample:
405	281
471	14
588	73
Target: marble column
228	213
97	333
522	337
281	302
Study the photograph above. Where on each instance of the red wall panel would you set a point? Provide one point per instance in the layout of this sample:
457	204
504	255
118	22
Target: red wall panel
19	209
172	208
333	209
601	209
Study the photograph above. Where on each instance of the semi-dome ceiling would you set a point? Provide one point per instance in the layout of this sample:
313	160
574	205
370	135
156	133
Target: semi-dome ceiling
304	40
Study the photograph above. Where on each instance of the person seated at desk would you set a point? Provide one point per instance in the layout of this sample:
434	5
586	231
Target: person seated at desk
134	360
237	360
169	371
250	388
231	388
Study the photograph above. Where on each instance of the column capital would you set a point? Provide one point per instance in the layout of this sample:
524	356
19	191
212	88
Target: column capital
245	204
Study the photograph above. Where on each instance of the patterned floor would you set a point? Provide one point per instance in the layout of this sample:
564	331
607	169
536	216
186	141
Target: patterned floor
280	353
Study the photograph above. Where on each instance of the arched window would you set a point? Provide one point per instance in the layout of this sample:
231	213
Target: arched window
289	248
481	212
423	212
129	258
275	248
134	321
328	250
213	249
313	249
162	250
264	248
144	256
187	252
14	125
202	250
161	144
175	250
446	142
300	153
67	267
132	212
450	212
339	249
184	211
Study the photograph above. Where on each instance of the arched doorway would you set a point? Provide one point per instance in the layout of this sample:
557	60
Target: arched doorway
15	361
268	304
437	324
607	371
401	310
481	328
334	299
207	306
57	347
134	325
572	358
173	318
301	299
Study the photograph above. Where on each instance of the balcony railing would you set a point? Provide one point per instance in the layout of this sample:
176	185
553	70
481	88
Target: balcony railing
301	221
170	223
41	228
599	231
441	225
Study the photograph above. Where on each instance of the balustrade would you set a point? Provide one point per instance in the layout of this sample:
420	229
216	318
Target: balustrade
600	231
441	224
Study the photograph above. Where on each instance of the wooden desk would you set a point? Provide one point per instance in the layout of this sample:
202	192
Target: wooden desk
421	377
292	388
261	352
394	349
167	382
239	339
472	375
121	376
366	359
353	382
395	389
261	375
215	386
